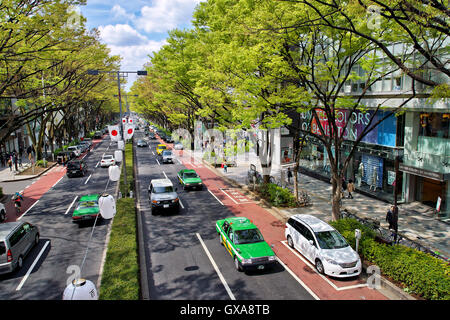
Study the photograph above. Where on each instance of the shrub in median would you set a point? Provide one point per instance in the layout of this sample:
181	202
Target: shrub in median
420	272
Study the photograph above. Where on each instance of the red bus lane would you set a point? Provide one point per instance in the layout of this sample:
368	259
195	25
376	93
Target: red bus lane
35	191
273	231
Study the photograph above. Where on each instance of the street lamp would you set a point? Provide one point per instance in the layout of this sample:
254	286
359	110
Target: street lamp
119	74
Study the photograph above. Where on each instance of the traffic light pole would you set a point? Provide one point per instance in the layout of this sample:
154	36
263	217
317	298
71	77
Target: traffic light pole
123	138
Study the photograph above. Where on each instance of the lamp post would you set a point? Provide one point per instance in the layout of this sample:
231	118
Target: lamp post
119	74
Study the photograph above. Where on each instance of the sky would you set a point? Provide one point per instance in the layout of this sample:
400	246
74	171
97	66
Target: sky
134	29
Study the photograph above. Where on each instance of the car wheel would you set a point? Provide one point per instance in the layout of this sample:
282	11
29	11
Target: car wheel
290	242
319	266
237	265
220	239
2	216
19	263
36	239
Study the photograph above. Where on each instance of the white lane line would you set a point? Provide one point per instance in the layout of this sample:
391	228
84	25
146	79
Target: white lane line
298	280
88	179
28	210
165	175
97	164
153	152
68	209
32	267
181	203
215	197
158	162
229	196
57	182
321	275
222	279
179	161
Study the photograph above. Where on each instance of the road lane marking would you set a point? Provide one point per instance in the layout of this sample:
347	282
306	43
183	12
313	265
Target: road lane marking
152	152
32	267
158	162
222	279
28	210
321	275
298	280
181	204
68	209
165	175
88	179
229	196
97	164
215	197
57	182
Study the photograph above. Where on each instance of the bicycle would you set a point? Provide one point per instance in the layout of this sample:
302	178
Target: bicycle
17	198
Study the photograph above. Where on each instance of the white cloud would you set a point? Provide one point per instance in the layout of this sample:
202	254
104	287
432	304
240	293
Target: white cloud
120	13
121	35
165	15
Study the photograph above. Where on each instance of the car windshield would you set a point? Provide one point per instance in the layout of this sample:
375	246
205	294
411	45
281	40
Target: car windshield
88	204
167	153
188	175
331	240
162	189
248	236
141	141
107	157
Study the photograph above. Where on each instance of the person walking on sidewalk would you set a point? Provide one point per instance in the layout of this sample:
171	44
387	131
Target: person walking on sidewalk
289	175
225	167
344	187
350	188
10	163
392	219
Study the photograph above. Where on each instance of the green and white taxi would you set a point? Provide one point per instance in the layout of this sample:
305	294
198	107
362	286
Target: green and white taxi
188	178
245	243
87	208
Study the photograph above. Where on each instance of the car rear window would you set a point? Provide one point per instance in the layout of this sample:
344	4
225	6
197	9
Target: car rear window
73	165
2	248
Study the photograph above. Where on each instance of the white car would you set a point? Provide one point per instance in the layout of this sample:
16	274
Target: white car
107	160
323	246
75	149
2	212
178	146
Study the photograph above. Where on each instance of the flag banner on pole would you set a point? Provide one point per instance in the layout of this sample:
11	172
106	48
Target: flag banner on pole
129	131
114	133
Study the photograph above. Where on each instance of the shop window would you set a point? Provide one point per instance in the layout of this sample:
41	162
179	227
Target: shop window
434	125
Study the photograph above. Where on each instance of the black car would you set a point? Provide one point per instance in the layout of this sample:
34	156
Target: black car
98	135
76	168
142	143
151	135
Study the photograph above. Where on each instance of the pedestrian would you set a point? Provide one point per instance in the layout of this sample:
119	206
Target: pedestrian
344	187
10	164
2	159
350	188
390	217
225	167
395	221
289	175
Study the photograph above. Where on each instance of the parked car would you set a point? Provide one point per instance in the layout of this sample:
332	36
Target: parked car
169	138
75	149
2	212
323	246
142	143
87	208
88	140
68	154
87	145
83	147
16	241
167	156
76	168
107	160
163	196
245	243
98	135
188	178
151	135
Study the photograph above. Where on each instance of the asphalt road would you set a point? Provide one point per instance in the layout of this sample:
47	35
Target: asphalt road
62	243
177	247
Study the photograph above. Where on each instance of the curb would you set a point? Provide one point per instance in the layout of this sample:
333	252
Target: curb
390	290
32	177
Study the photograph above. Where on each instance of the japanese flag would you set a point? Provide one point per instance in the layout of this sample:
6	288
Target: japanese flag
130	121
114	133
129	131
124	121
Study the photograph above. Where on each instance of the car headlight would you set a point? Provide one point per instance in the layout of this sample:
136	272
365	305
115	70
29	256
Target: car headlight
175	200
246	261
331	261
272	258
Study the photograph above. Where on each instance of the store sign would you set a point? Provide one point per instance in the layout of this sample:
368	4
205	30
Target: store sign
352	127
422	172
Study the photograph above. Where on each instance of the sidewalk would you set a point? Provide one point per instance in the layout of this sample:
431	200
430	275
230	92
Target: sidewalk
414	220
8	175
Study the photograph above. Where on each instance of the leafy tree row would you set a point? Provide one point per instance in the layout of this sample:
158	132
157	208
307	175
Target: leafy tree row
258	62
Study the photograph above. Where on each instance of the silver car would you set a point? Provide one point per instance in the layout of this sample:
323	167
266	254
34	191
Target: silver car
167	156
163	196
16	241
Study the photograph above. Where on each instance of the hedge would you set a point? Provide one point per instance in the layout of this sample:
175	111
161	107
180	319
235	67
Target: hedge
418	271
276	195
